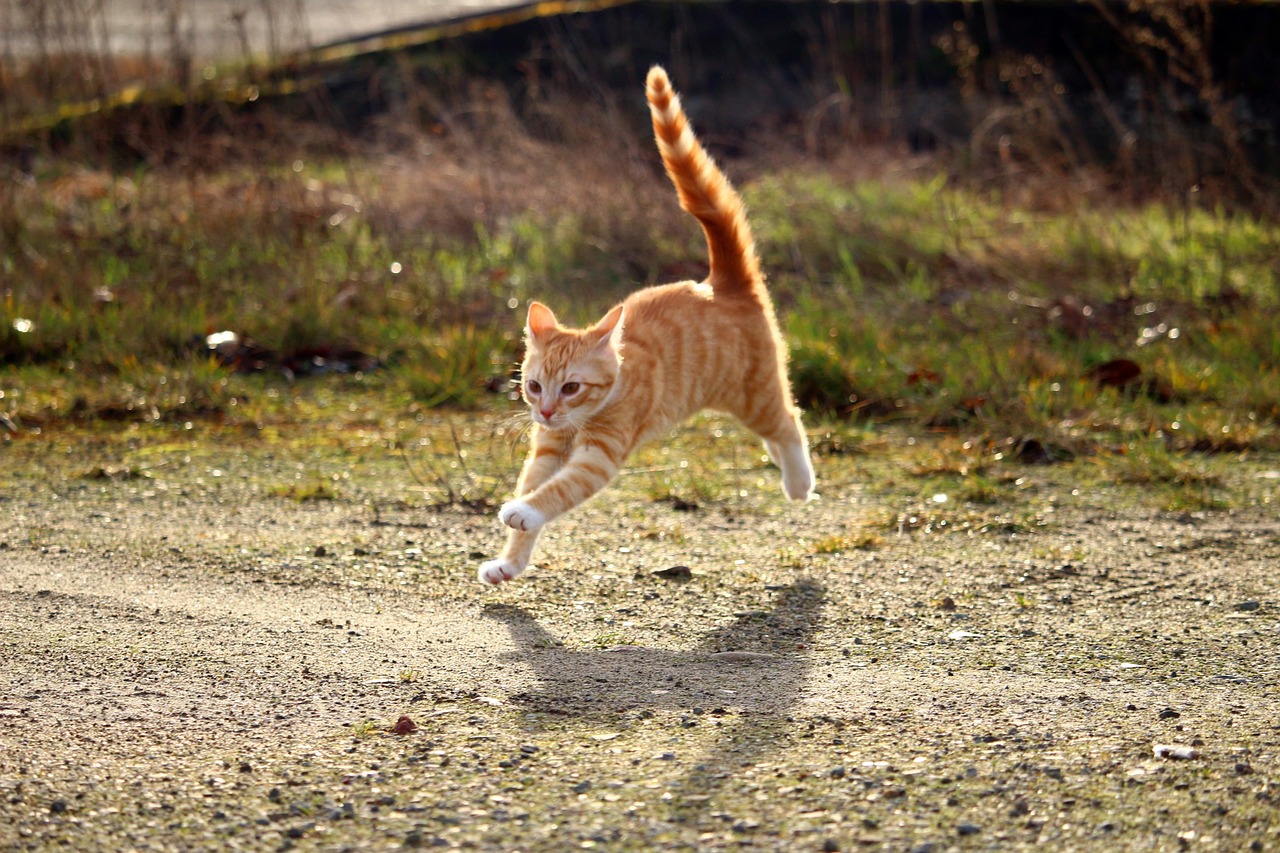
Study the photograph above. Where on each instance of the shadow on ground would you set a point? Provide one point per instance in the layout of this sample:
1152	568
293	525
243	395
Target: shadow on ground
743	679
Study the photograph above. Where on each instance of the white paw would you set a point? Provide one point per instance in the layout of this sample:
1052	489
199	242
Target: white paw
494	572
798	485
521	516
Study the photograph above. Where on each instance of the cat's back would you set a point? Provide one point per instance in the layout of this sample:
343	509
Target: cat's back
693	349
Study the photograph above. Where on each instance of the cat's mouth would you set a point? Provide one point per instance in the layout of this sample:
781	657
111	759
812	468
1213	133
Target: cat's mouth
556	420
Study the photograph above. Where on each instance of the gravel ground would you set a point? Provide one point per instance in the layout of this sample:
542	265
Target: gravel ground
193	661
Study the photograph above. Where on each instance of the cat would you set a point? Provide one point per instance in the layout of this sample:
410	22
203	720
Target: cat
663	354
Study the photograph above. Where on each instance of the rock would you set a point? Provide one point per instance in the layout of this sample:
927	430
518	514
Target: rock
968	829
742	657
674	573
1248	606
1175	751
1169	714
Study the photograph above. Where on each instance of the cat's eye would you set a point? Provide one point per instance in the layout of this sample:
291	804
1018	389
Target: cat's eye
535	387
569	388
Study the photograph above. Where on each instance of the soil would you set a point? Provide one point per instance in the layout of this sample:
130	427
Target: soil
195	658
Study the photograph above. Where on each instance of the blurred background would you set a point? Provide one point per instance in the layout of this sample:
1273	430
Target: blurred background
981	215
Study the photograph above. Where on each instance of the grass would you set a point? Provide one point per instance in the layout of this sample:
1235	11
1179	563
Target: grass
304	492
905	299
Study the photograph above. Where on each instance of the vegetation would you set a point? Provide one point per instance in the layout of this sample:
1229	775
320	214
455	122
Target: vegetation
1046	333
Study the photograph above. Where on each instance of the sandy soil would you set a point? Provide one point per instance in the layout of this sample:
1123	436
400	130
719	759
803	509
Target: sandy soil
190	662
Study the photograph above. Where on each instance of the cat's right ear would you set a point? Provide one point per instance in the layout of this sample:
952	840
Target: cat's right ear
541	323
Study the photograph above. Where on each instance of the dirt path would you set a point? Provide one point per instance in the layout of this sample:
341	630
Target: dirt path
194	664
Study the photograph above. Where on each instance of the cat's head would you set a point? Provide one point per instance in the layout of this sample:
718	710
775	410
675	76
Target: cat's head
568	374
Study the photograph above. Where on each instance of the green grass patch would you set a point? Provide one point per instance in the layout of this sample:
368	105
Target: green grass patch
304	492
1023	335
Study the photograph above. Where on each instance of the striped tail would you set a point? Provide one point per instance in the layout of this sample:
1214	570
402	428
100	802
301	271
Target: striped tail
704	192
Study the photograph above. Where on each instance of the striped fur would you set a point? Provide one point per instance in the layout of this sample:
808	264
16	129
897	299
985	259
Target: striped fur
665	353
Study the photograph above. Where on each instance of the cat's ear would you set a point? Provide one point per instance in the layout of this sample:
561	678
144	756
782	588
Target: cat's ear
608	332
541	323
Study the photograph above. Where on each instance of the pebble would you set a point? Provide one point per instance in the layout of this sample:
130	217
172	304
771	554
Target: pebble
968	829
1174	750
674	573
742	657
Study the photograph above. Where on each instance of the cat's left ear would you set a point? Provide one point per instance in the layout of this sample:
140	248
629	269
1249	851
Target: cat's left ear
608	332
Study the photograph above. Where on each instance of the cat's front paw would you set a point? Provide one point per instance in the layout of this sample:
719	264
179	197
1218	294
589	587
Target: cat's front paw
521	516
494	572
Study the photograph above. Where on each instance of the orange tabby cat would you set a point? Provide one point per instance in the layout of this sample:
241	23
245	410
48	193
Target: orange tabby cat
666	352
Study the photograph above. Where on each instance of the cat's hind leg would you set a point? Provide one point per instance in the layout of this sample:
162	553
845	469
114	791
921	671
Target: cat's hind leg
788	447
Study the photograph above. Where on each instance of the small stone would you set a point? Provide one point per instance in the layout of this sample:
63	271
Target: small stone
674	573
830	846
1176	751
246	767
321	551
58	806
581	787
968	829
837	772
1248	606
742	657
1169	714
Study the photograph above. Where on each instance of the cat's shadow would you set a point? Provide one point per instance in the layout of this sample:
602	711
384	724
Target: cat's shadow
753	664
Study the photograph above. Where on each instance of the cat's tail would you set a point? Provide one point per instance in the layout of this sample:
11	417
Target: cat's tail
704	192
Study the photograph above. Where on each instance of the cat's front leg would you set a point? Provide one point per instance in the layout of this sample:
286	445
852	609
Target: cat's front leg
519	515
545	458
513	560
588	469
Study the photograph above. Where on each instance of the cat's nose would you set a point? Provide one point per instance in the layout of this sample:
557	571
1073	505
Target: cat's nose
546	413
